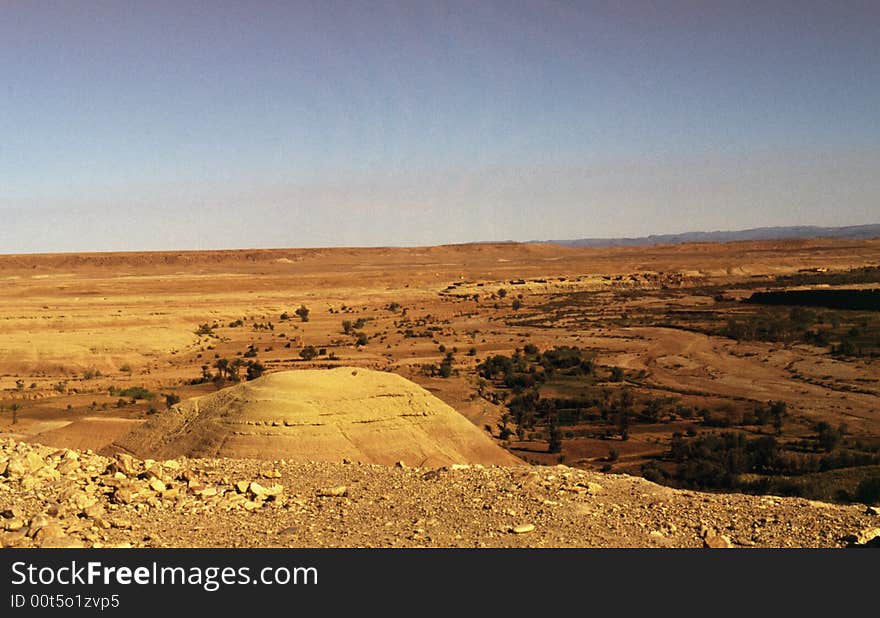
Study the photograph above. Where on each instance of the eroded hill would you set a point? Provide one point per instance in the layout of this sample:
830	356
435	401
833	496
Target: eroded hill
318	415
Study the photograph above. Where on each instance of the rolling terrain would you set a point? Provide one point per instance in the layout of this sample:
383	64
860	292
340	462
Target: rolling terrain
624	360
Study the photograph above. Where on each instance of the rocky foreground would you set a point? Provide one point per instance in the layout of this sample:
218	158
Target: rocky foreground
64	498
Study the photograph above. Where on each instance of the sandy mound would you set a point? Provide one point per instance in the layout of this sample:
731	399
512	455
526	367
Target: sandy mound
318	415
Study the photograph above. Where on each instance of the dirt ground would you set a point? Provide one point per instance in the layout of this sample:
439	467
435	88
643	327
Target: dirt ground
65	498
73	326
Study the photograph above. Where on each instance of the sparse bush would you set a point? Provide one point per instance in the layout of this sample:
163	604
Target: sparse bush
868	491
446	366
254	370
135	392
303	313
554	444
308	353
828	437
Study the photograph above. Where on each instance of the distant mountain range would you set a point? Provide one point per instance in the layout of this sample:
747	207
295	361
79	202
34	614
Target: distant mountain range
758	233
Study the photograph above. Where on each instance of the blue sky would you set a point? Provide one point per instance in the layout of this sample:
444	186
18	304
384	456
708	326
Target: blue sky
187	125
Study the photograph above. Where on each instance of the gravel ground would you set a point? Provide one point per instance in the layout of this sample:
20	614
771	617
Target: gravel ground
64	498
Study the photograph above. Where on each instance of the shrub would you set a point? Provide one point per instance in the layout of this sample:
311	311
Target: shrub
135	392
254	370
828	437
555	442
868	491
303	313
446	366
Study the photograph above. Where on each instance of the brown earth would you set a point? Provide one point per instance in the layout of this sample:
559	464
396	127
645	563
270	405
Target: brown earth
75	326
130	319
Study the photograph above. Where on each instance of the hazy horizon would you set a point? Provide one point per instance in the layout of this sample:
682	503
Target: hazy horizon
190	125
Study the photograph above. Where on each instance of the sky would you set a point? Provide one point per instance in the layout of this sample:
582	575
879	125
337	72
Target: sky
199	125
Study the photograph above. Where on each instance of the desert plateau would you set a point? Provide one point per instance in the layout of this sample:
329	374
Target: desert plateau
475	395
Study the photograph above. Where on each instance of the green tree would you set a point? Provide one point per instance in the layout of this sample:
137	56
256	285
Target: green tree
868	491
254	370
555	442
778	409
504	427
222	367
446	366
828	437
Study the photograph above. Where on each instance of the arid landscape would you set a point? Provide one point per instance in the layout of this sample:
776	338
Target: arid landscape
468	395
